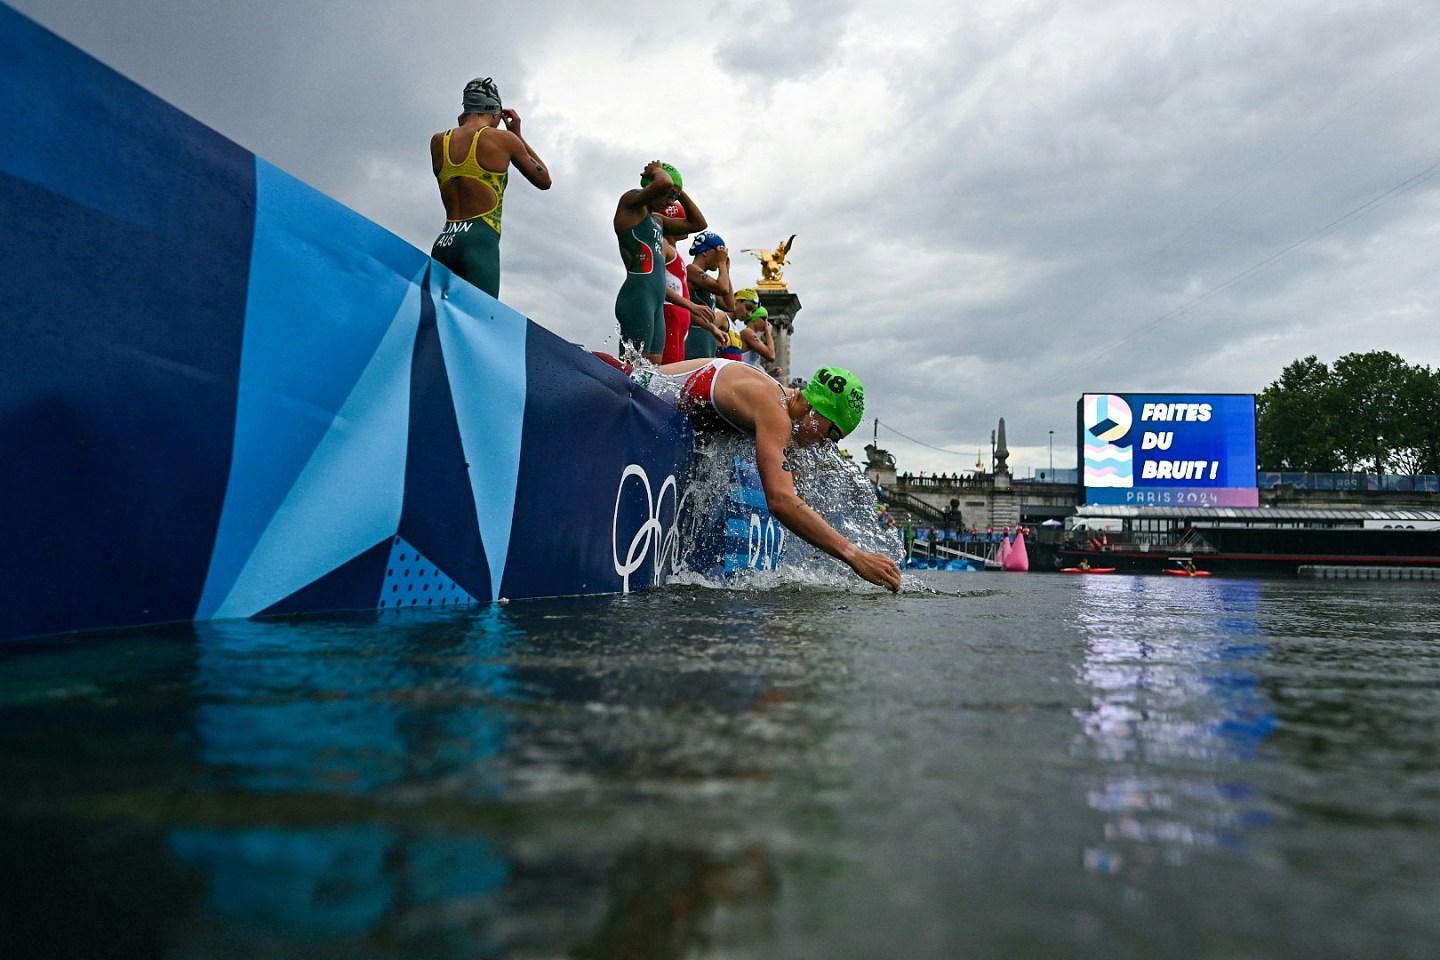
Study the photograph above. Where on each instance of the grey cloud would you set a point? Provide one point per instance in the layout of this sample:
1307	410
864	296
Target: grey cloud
789	38
1051	206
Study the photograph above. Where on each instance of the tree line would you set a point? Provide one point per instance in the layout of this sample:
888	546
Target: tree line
1369	412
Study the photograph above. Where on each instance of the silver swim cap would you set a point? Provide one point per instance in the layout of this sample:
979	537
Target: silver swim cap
481	96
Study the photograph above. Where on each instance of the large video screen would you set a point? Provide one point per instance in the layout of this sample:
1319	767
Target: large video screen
1167	449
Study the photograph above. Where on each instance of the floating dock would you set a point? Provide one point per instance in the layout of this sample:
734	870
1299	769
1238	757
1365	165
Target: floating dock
1348	572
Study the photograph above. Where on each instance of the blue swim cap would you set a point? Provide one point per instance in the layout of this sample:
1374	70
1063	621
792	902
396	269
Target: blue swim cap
705	240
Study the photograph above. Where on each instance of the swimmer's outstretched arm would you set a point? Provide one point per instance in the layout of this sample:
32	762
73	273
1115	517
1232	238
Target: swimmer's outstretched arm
798	516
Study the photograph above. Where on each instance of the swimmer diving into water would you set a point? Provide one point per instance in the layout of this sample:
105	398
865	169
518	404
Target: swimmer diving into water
725	394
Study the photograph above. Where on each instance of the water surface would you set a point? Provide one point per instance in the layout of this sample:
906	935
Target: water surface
988	765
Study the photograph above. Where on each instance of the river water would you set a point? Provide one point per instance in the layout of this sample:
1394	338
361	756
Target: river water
986	765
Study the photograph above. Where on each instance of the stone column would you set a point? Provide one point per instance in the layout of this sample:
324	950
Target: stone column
782	306
1004	505
879	465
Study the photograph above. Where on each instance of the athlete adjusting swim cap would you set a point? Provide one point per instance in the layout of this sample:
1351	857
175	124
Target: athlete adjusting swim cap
481	96
704	242
837	395
674	175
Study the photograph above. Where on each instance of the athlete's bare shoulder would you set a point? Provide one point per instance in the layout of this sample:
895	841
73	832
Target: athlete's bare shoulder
752	395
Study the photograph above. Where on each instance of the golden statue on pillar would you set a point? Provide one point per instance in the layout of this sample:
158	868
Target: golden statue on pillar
770	263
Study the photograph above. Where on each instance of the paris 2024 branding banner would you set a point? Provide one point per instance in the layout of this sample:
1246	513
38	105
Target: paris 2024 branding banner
223	394
1165	449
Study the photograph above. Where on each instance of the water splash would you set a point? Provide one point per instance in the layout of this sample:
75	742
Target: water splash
722	485
831	484
840	492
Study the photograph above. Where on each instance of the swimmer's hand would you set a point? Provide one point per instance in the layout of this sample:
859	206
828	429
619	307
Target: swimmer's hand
875	567
512	120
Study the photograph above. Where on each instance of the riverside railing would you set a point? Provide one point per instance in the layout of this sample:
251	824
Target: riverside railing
1369	482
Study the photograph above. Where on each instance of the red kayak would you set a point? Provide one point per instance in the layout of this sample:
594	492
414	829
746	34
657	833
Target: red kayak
1087	569
1187	573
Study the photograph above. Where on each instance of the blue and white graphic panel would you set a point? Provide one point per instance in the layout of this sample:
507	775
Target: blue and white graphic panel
1168	449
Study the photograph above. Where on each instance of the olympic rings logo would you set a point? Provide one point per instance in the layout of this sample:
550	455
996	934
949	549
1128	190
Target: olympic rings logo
666	541
764	543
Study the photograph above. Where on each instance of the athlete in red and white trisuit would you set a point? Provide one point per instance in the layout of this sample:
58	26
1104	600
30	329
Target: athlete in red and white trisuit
677	315
679	308
728	394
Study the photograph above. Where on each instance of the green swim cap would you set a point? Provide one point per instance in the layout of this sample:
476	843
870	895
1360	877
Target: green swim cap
837	395
760	313
674	175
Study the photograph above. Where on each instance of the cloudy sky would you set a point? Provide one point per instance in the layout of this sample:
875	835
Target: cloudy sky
1000	204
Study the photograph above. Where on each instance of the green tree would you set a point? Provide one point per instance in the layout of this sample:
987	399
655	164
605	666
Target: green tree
1371	411
1368	414
1296	428
1418	449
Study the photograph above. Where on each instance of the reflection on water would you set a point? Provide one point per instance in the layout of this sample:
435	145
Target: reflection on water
449	785
303	716
996	766
1175	709
1274	745
306	707
338	882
